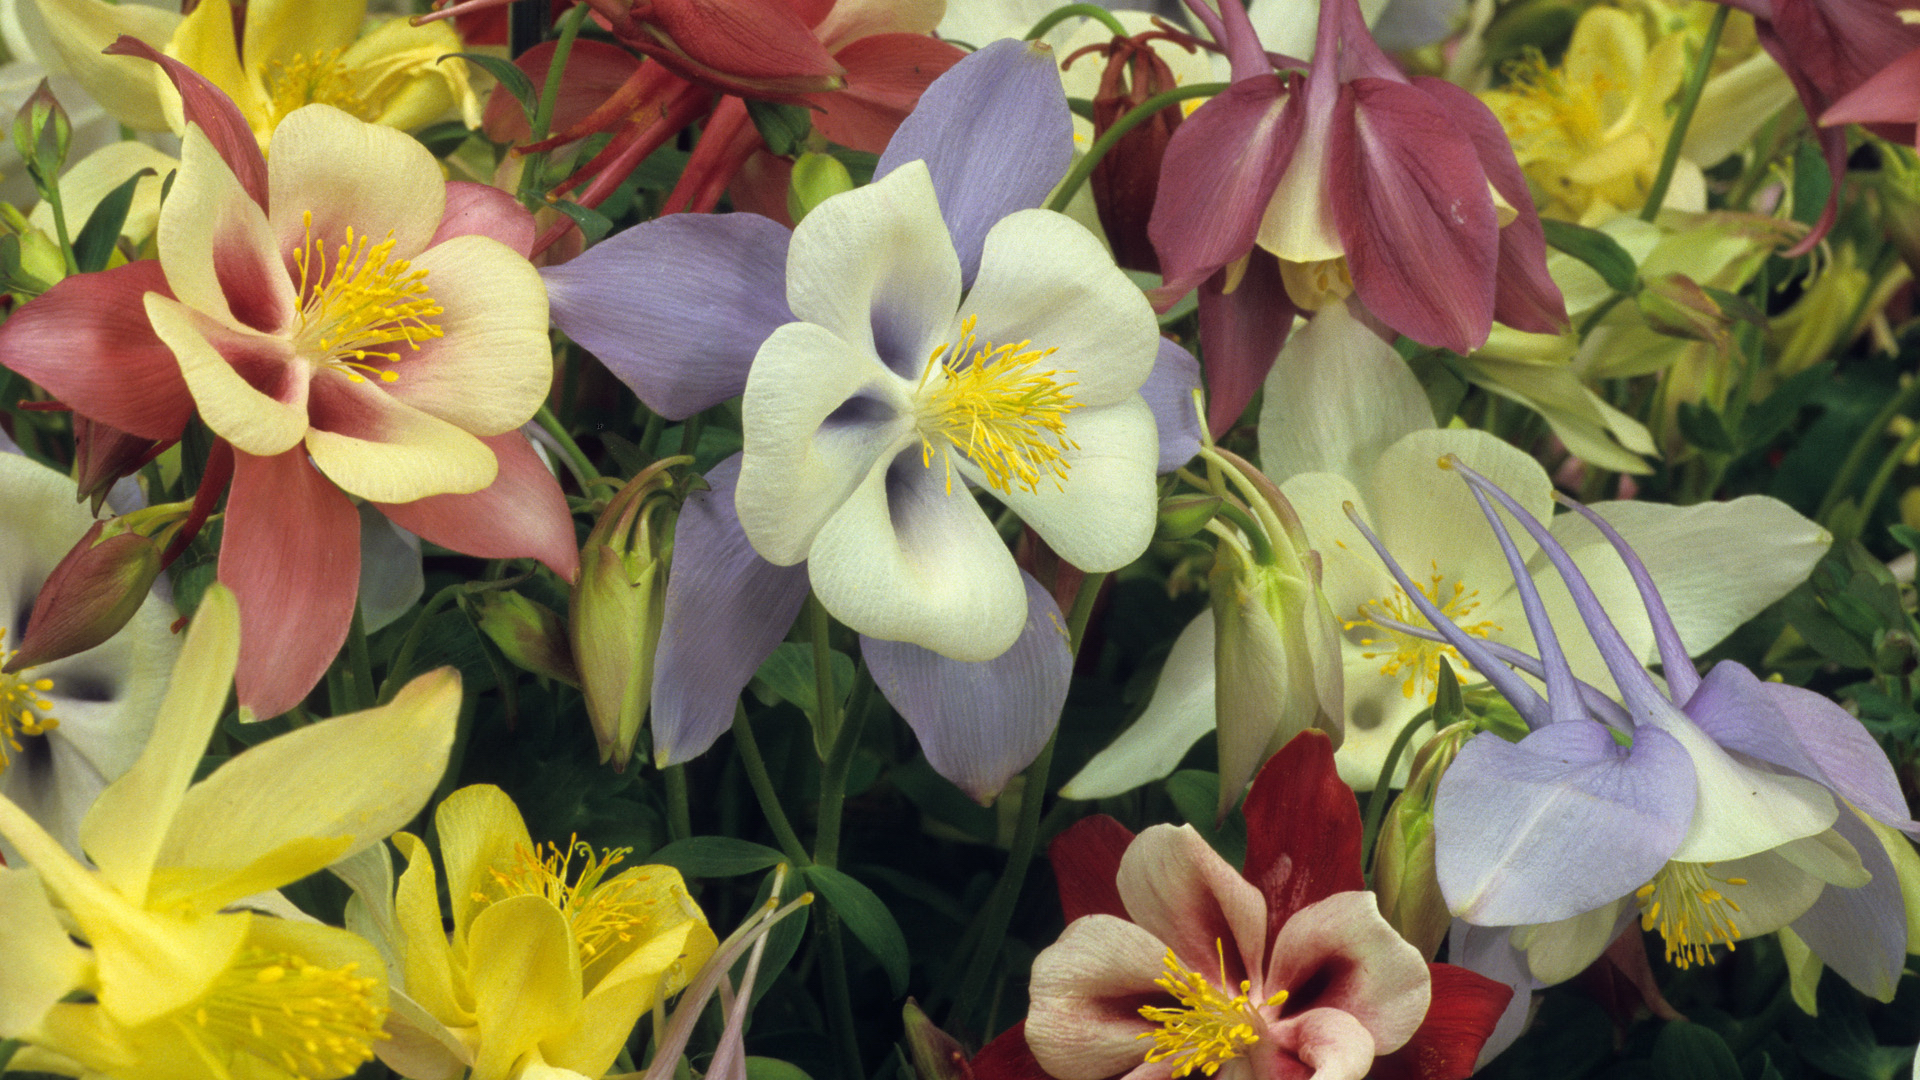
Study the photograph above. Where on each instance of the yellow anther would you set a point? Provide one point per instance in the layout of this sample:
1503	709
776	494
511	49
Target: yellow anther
24	708
602	913
998	408
1684	903
1417	657
315	78
360	302
288	1015
1209	1027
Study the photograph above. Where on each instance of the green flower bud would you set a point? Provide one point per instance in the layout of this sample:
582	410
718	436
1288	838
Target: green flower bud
529	634
816	178
1404	879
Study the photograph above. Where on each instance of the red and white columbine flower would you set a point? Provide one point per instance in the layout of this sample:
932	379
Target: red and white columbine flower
352	326
1176	963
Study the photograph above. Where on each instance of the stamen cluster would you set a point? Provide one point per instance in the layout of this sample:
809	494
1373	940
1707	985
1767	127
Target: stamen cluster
23	708
315	1023
1208	1028
1691	913
996	406
362	300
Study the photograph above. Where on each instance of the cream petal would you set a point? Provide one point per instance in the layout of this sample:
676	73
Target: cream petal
1558	951
1742	810
1334	1044
818	417
381	183
1181	891
1177	716
1357	964
387	451
1102	516
1429	520
1084	1022
1337	397
217	247
251	389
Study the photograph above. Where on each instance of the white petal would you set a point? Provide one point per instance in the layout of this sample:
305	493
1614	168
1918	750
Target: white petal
1102	516
1177	716
1337	397
1081	1025
1181	891
1558	951
1742	810
1427	516
1363	966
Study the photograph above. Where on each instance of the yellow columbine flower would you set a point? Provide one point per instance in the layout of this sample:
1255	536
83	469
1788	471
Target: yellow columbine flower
181	986
552	957
289	53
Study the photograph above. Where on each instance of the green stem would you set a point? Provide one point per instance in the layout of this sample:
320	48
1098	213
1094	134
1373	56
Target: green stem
583	471
1599	312
1689	100
536	163
360	690
8	1047
51	192
826	697
1863	447
833	786
679	816
1133	119
747	745
1090	11
826	852
1878	485
402	660
1382	792
833	972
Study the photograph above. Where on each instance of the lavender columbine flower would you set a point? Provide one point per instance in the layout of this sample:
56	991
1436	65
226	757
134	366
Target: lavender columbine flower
1718	809
837	322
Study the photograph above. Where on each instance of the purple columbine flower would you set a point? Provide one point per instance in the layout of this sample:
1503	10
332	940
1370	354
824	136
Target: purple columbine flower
1716	809
684	307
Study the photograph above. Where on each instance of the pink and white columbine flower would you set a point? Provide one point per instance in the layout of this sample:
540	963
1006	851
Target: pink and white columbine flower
1176	963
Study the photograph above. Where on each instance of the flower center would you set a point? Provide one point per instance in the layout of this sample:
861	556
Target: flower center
308	1020
996	405
361	301
313	78
1692	914
601	913
23	709
1416	656
1208	1028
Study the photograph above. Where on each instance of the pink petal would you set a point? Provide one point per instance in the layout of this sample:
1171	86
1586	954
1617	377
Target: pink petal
886	74
1890	97
1340	954
1216	179
1303	830
1086	862
1464	1010
1324	1044
726	142
1835	45
1181	891
1084	1019
208	106
1524	295
87	342
521	515
1241	334
1411	204
479	210
290	551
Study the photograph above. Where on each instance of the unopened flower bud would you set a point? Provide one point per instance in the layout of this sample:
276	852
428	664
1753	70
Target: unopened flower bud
936	1054
751	48
619	601
1185	515
1127	179
529	634
42	133
1675	305
1404	879
98	586
816	178
103	455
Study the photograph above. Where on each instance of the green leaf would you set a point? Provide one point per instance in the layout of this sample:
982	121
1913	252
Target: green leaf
1777	412
1596	249
592	223
443	138
787	675
509	76
761	1068
1688	1051
1811	183
716	856
94	246
784	127
867	918
1704	429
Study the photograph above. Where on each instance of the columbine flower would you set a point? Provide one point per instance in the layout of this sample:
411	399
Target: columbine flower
552	956
178	985
1174	963
1715	810
378	334
68	726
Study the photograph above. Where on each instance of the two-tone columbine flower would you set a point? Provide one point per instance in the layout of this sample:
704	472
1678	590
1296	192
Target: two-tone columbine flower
349	325
1173	962
1714	809
177	983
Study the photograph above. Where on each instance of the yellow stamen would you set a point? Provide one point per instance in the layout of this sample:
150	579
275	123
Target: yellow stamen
1684	903
1208	1028
363	300
602	913
23	706
314	78
297	1019
995	405
1417	656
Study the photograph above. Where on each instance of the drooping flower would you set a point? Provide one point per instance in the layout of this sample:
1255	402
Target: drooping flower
69	726
1175	963
378	334
179	985
1715	809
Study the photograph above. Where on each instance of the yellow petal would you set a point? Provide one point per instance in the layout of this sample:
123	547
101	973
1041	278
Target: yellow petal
88	180
279	30
525	976
380	448
205	43
216	247
43	964
261	422
125	86
123	832
288	807
480	829
425	959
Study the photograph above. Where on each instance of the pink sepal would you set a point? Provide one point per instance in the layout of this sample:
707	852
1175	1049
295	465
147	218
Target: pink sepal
1465	1007
1303	830
1890	97
1216	179
290	551
87	342
479	210
208	106
1086	863
1241	334
521	515
886	74
1411	204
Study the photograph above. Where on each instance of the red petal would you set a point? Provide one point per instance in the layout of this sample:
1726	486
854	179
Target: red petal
87	342
1524	295
1465	1008
1218	175
726	143
290	551
1411	204
1086	861
1303	830
1241	333
759	48
480	210
886	74
521	515
208	106
1890	97
1007	1058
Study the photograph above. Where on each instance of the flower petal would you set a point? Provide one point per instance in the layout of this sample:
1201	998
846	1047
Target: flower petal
1862	933
205	106
1169	392
981	722
1102	517
1465	1008
481	210
886	75
1336	399
528	988
347	174
218	248
726	610
521	515
1559	823
1335	1045
1303	830
382	449
1084	1022
43	963
1244	331
1216	179
1086	861
1356	963
1180	890
1179	714
481	830
250	388
290	551
1741	809
996	135
78	31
